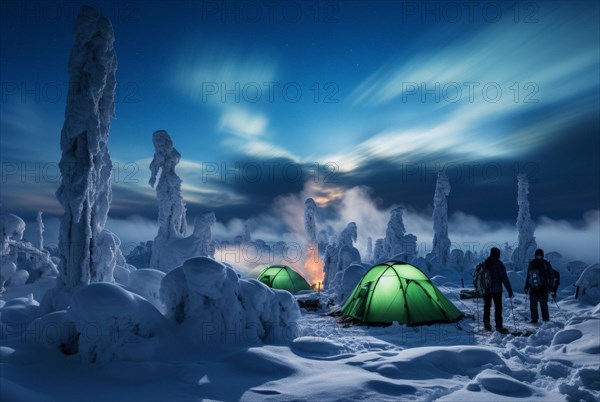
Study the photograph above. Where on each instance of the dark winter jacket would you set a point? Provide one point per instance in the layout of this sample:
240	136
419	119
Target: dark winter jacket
498	273
546	275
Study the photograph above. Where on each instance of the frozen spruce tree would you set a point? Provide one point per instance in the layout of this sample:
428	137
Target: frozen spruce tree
369	256
441	242
203	235
394	233
526	243
310	214
39	234
330	260
346	255
379	251
247	235
170	247
85	192
171	208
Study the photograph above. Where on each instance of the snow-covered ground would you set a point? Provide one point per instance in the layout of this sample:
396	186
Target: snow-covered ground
322	360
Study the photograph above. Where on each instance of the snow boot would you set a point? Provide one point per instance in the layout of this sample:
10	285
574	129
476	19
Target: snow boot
502	330
487	327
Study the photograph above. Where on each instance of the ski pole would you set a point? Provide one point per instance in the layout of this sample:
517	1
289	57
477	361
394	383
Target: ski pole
477	304
559	310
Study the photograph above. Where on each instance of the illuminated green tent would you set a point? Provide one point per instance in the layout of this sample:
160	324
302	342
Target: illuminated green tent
283	277
398	291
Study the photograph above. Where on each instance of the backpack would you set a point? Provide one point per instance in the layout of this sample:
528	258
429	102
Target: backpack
482	278
538	277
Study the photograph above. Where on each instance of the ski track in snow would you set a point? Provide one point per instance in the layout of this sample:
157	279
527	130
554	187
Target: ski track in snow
327	361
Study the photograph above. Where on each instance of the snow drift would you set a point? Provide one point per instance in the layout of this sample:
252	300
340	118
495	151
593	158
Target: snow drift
213	304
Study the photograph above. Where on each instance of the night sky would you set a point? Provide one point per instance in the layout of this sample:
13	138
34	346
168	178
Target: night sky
264	99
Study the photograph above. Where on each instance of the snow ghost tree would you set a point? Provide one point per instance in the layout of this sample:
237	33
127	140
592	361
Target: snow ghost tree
170	247
526	245
310	227
396	243
331	259
85	165
171	208
247	235
441	242
39	238
346	254
378	251
312	264
203	234
369	256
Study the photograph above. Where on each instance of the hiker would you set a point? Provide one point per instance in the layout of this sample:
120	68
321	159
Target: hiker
538	283
497	277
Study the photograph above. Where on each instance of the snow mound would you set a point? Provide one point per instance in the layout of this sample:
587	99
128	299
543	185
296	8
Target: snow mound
146	283
114	324
214	304
309	346
350	277
12	228
492	385
436	362
17	313
589	285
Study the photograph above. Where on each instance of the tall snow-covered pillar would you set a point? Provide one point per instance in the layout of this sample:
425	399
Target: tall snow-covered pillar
394	233
369	256
525	226
378	250
441	242
310	226
247	235
85	165
171	208
39	235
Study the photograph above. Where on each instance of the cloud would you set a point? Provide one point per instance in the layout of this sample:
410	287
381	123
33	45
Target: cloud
559	80
239	122
220	75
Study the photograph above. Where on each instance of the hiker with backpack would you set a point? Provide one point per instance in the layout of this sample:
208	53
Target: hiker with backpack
489	278
541	279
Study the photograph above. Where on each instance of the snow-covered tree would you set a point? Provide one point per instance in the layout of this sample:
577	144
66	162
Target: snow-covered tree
85	192
310	226
349	235
369	256
346	254
330	259
397	244
507	254
172	222
203	234
394	233
247	235
171	208
21	261
441	242
525	227
379	250
39	238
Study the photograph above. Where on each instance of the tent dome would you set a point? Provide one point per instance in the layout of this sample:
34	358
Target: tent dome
283	277
397	291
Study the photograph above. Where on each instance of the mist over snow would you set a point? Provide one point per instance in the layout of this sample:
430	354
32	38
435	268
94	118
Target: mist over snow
336	207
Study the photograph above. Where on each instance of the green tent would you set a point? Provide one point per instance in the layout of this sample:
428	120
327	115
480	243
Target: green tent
283	277
398	291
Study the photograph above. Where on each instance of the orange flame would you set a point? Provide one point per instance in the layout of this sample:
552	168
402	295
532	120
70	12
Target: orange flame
313	266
